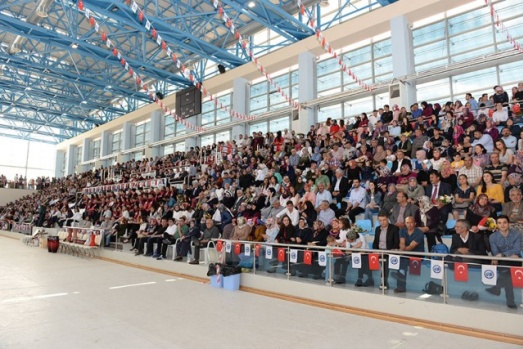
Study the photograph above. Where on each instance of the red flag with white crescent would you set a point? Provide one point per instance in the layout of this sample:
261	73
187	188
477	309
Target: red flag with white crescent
374	261
281	255
517	276
461	272
307	257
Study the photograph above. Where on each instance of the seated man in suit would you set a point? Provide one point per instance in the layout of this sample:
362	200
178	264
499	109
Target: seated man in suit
340	186
435	190
466	243
386	237
401	160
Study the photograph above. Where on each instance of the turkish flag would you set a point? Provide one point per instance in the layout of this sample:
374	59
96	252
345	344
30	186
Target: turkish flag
219	246
307	257
415	266
257	250
461	272
237	248
517	276
337	253
281	255
374	261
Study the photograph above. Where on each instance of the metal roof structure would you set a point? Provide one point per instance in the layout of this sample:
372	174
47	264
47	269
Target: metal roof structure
58	79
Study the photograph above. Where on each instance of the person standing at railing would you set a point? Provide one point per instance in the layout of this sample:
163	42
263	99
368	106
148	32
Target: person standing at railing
505	242
386	237
411	239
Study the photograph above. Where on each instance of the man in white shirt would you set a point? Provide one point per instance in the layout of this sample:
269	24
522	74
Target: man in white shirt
484	139
322	195
500	115
510	141
326	214
291	212
373	119
356	200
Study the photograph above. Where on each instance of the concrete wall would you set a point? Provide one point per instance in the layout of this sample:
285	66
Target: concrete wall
8	195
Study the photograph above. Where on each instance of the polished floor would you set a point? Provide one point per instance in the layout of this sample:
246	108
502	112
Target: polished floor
60	301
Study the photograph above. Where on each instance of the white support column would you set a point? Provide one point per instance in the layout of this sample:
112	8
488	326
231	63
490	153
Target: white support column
70	160
59	164
127	137
157	128
86	153
240	103
402	61
307	89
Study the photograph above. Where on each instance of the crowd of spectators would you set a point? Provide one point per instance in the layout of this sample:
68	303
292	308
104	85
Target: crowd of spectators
408	170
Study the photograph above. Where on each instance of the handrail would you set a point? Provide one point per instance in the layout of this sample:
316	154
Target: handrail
398	252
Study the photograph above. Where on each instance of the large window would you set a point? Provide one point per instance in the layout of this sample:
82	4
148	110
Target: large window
266	97
27	159
96	149
142	135
116	145
213	113
466	35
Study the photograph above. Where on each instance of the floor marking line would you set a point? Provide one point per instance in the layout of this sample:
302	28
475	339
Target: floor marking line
132	285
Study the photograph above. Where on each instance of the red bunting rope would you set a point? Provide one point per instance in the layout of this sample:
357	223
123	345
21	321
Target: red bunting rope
501	26
327	47
228	22
183	71
126	66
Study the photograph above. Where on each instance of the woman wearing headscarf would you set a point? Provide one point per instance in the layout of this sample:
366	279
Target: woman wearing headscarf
379	155
458	135
429	217
481	209
414	190
514	180
448	175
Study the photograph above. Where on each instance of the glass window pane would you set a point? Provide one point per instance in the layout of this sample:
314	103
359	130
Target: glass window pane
358	56
382	48
223	136
330	81
327	66
469	20
429	33
258	127
279	124
481	79
259	89
207	140
472	40
510	74
430	52
358	106
332	111
429	91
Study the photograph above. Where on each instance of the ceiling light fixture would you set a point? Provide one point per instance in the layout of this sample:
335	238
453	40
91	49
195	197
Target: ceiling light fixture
74	45
84	102
324	3
251	4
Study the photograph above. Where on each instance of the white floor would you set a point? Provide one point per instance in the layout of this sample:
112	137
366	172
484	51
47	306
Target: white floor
59	301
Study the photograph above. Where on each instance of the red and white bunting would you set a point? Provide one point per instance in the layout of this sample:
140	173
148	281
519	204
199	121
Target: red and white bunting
254	60
183	70
327	47
125	65
501	26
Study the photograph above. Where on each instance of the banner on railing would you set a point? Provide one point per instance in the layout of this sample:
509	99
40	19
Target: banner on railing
150	183
25	228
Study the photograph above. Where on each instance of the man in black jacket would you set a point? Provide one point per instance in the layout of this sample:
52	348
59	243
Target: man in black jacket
386	237
466	243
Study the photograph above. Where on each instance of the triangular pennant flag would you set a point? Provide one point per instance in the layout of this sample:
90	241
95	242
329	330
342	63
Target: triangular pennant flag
307	257
322	259
374	261
293	256
489	274
356	260
394	262
268	252
415	266
237	248
436	269
247	249
228	246
281	254
461	272
517	276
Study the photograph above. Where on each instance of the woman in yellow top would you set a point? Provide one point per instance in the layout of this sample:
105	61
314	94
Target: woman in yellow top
493	190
